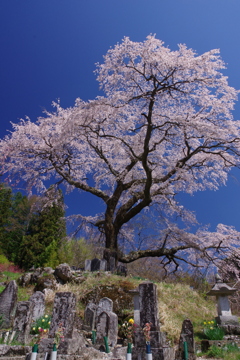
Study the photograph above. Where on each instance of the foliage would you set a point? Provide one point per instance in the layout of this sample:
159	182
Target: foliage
164	126
3	260
212	331
45	232
15	210
40	327
59	334
146	332
126	330
228	352
43	322
75	251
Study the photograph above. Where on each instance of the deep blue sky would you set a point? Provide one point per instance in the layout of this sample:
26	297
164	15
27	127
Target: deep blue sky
49	48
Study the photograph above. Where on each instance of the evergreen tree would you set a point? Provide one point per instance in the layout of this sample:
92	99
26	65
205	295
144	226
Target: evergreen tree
45	232
14	218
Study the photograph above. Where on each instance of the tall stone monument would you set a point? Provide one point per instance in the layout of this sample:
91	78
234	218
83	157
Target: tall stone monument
146	311
8	302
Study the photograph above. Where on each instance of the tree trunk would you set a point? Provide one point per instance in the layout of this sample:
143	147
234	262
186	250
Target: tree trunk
111	246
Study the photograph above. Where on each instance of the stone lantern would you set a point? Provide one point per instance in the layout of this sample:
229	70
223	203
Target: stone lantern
222	291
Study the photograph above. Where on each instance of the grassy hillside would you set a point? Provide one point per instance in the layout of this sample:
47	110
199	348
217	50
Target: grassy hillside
176	301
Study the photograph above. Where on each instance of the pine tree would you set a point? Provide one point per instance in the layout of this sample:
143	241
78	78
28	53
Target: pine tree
45	232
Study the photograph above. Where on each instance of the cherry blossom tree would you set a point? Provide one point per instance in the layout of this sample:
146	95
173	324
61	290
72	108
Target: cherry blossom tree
163	126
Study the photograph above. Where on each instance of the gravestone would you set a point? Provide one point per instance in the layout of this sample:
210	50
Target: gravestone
106	321
148	305
122	270
8	302
23	321
38	299
87	266
95	265
146	311
107	325
90	316
186	336
105	304
64	310
136	306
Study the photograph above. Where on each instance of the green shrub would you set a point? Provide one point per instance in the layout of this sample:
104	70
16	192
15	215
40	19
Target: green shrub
212	331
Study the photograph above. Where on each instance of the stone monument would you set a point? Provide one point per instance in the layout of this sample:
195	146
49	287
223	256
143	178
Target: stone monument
225	319
146	311
8	302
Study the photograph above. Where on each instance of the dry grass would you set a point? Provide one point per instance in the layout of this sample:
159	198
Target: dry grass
178	302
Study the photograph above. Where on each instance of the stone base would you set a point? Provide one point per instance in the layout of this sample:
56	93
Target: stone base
16	350
158	339
180	355
231	329
227	320
164	353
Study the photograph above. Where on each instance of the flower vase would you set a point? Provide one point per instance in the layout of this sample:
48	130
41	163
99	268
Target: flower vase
129	352
54	353
105	338
148	351
93	336
34	352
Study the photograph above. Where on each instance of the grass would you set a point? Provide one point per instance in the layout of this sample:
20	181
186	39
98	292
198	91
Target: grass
228	352
177	301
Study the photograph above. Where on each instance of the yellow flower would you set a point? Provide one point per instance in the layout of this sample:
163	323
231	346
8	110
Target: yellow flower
212	322
39	328
204	323
131	321
46	316
45	330
34	328
49	322
211	328
209	322
43	320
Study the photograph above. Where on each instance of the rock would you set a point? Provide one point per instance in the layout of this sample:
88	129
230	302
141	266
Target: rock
63	273
46	282
25	279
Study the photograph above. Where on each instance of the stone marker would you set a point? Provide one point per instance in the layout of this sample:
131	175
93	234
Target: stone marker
222	291
136	305
38	299
64	310
8	301
107	325
87	266
95	265
146	311
187	336
90	316
105	304
148	305
23	320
